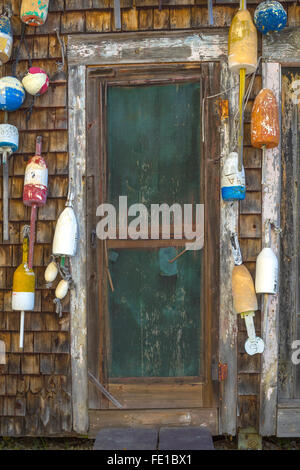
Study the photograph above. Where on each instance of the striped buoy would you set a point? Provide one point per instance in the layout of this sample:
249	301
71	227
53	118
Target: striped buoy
36	81
6	39
23	288
34	12
233	185
12	94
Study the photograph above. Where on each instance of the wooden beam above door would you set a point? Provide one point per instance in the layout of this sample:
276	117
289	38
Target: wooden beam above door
182	46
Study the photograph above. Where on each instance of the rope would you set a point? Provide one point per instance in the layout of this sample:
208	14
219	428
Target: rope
18	55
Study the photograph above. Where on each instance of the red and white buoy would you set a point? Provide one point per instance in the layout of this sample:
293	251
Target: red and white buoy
36	81
35	190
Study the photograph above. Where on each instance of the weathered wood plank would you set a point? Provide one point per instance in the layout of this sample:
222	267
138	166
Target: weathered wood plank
228	317
282	47
270	210
184	46
77	168
288	422
289	249
166	417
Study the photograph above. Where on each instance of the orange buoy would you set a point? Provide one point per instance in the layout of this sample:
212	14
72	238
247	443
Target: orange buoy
265	131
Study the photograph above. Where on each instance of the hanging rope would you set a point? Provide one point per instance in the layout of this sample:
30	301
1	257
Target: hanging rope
66	275
15	65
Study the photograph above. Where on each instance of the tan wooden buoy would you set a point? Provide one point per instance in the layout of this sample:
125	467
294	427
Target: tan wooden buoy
244	296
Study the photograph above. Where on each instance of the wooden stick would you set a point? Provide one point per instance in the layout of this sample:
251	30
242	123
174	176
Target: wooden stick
5	196
32	235
178	256
107	267
21	344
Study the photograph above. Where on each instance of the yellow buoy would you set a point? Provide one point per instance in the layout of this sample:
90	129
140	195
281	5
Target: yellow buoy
242	43
242	58
23	288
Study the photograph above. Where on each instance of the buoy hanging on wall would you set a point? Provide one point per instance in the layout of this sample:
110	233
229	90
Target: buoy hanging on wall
265	129
12	94
34	12
233	184
9	142
6	39
270	16
23	287
244	299
64	245
242	58
36	81
266	275
35	189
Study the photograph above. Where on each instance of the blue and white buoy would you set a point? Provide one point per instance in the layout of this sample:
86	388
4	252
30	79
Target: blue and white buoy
12	94
270	16
233	184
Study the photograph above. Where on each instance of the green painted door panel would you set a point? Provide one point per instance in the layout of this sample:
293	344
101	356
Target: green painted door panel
154	157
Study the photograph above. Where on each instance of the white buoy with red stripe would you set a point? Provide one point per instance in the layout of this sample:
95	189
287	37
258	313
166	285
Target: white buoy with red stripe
35	189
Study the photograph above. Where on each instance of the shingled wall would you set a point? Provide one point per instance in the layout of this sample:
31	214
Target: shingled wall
35	385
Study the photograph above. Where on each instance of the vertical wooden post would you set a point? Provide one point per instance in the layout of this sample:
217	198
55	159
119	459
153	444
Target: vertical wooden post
77	171
271	190
229	215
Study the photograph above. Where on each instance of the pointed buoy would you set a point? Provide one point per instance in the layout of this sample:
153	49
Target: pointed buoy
243	291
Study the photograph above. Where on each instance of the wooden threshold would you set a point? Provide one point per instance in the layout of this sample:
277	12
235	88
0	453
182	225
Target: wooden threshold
207	417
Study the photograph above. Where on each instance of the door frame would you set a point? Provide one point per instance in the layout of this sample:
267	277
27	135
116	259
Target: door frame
138	48
187	391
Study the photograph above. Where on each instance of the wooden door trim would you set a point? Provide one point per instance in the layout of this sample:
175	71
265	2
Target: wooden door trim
186	51
210	74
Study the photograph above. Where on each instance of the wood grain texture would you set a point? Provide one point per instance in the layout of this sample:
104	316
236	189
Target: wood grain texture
77	169
181	417
228	317
147	47
271	210
282	47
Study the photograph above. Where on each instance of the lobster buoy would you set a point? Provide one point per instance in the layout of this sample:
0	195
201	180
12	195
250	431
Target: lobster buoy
12	94
265	130
35	182
233	181
266	274
242	43
36	81
34	12
243	291
23	289
51	272
242	59
66	234
62	289
6	39
270	16
244	299
9	137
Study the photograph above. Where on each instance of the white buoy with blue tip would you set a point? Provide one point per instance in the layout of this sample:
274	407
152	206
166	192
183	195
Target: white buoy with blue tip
233	184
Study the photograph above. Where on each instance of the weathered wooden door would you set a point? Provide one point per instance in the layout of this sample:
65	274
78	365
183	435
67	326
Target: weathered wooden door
153	324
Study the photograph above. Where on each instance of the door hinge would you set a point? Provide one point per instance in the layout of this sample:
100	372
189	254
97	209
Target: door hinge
219	371
222	371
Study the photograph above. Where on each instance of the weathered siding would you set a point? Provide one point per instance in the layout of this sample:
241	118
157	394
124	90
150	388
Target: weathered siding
35	385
